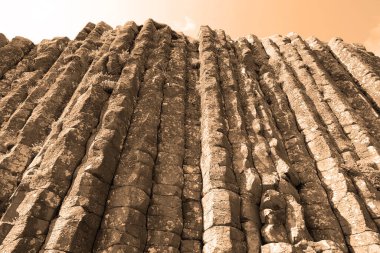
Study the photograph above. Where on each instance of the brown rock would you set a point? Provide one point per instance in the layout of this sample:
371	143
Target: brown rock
142	139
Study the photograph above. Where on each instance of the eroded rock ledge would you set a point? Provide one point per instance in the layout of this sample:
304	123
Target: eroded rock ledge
141	139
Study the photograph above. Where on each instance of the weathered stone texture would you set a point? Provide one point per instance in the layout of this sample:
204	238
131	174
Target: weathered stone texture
142	139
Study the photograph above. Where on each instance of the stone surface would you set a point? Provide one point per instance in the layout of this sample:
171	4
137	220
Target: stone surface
142	139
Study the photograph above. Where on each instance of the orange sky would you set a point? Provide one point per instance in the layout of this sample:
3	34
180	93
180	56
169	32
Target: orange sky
353	20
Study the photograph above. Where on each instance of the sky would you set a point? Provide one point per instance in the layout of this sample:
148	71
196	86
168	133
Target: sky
353	20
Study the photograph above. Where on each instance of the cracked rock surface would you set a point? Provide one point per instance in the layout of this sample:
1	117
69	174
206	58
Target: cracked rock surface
141	139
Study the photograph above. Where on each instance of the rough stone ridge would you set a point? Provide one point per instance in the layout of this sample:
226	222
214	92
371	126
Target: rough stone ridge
142	139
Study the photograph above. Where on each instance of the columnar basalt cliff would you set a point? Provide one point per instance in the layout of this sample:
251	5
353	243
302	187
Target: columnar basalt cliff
141	139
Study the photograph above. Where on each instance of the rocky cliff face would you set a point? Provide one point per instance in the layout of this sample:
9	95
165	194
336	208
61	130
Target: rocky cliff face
140	139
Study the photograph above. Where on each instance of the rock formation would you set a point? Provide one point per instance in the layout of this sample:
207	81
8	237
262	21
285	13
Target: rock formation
141	139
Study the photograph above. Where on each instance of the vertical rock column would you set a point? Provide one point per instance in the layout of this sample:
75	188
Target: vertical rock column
13	52
319	217
260	123
221	202
247	177
368	56
344	82
42	188
354	219
97	71
313	97
361	143
368	76
343	79
79	217
124	223
165	222
20	116
47	52
364	181
366	146
40	57
17	120
11	215
7	82
192	191
82	35
34	124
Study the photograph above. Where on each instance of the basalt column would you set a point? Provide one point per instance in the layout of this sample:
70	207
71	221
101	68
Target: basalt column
142	139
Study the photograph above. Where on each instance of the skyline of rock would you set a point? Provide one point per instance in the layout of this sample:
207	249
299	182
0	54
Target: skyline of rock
141	139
